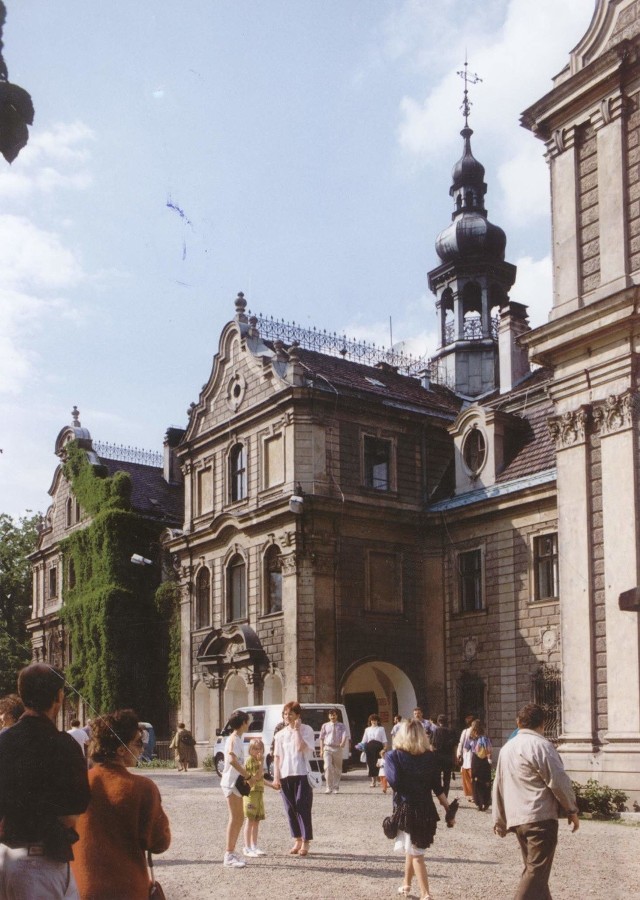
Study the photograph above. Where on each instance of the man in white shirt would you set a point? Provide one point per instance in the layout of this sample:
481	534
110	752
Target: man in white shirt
79	734
530	789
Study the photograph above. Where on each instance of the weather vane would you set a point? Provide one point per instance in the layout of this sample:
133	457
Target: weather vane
468	78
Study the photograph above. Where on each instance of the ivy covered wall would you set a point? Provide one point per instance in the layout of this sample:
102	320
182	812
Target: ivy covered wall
120	634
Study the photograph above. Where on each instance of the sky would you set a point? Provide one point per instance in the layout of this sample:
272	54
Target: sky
299	151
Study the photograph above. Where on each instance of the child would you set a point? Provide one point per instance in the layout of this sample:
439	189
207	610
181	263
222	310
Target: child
254	802
383	778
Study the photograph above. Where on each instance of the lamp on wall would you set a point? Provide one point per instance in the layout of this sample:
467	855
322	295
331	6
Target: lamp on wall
138	560
296	504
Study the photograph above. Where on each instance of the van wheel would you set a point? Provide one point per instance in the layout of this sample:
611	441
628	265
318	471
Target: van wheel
220	764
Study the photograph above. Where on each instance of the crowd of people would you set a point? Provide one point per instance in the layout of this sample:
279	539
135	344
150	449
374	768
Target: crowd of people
76	823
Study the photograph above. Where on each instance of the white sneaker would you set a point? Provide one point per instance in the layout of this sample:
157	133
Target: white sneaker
327	791
258	852
248	851
231	861
336	791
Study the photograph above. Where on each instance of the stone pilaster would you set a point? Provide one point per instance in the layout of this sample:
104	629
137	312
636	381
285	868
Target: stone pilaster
561	153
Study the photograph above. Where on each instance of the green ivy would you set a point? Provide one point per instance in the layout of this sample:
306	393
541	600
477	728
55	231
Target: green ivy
119	640
167	600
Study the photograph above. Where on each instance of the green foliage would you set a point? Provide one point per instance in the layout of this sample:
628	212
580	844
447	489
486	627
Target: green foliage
118	639
157	764
209	764
600	800
17	540
167	601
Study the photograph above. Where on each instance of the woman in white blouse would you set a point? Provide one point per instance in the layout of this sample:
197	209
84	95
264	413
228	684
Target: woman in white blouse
294	747
234	766
375	741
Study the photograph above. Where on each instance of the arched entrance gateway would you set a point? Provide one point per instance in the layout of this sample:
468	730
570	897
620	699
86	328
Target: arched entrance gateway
234	666
380	687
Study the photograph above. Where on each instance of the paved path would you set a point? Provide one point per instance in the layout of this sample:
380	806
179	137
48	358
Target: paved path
351	858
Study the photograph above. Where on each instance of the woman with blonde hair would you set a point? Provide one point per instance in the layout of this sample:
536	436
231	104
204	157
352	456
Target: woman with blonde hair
412	771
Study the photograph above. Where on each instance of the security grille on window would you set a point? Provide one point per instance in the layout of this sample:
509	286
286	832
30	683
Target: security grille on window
273	576
547	692
236	589
377	463
238	473
545	551
203	590
470	580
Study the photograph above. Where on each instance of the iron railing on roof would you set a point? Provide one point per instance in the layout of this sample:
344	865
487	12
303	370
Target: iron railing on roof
120	453
471	330
335	344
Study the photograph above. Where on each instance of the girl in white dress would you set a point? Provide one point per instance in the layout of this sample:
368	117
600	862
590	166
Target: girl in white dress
234	766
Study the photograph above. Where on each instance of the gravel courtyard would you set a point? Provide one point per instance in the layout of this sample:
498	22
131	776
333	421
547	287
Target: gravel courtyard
351	857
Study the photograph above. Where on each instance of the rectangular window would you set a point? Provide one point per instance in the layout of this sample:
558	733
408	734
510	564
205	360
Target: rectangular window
273	461
377	463
384	582
53	582
545	566
470	580
237	592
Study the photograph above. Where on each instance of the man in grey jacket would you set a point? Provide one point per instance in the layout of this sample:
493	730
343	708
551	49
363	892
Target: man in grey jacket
530	790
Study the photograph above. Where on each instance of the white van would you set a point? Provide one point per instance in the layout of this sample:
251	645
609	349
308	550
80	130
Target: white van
262	725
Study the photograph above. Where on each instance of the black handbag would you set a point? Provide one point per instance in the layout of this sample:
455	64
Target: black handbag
390	827
242	786
155	891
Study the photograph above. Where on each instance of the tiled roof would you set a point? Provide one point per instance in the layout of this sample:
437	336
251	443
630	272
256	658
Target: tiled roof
537	452
346	376
151	495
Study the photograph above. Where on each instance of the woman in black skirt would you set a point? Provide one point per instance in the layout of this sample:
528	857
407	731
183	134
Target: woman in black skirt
412	771
375	741
480	747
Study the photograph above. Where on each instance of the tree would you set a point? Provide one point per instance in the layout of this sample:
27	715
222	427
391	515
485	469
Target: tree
17	540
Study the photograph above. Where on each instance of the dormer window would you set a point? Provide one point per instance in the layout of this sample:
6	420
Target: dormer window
377	463
474	451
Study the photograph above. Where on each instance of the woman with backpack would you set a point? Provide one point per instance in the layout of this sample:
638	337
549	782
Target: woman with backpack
183	743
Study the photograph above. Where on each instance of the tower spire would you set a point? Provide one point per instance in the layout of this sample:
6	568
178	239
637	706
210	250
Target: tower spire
468	78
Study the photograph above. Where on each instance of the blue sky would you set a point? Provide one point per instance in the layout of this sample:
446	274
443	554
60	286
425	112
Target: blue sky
297	150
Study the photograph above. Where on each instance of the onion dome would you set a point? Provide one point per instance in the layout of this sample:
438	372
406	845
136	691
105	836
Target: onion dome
470	233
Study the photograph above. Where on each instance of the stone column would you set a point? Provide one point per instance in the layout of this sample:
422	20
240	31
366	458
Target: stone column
614	421
574	549
608	122
561	153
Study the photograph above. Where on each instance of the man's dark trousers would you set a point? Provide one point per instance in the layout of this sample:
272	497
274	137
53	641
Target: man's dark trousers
538	845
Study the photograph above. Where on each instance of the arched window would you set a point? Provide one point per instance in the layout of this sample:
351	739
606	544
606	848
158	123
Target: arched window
203	592
273	580
236	589
78	513
69	512
238	473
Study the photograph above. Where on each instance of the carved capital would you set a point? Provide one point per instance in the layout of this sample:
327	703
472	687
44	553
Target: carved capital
615	414
569	429
289	564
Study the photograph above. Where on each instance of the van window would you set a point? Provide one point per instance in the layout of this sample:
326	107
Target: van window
257	722
316	717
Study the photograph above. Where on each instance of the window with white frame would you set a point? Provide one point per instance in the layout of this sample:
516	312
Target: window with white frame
545	566
470	594
377	458
238	473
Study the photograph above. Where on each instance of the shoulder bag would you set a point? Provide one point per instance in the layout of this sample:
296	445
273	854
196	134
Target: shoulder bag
155	891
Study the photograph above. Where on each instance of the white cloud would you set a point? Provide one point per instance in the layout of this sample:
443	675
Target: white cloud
502	57
53	159
411	332
533	287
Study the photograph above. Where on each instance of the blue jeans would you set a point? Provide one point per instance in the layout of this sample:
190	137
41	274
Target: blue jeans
297	798
25	876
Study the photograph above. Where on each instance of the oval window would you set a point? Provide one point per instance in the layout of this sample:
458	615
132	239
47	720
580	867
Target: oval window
474	451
